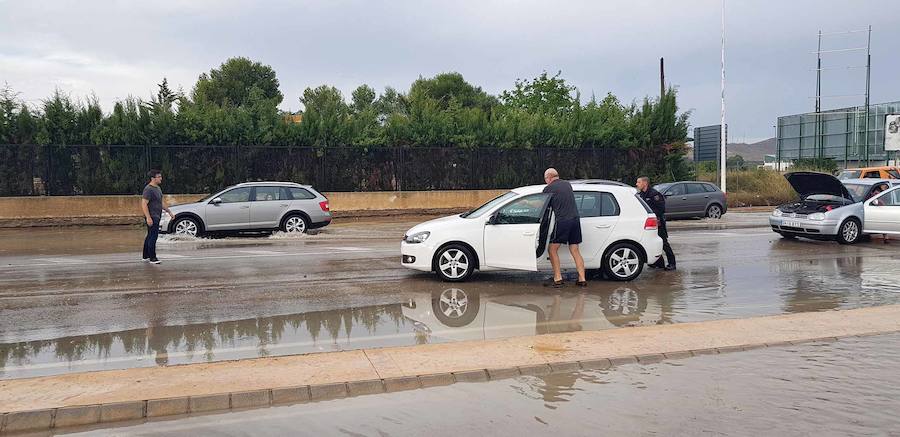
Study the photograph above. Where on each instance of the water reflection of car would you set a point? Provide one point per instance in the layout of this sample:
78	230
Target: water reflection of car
828	208
510	232
458	315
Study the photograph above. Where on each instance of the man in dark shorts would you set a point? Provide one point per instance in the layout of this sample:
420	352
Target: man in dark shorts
152	204
568	226
657	203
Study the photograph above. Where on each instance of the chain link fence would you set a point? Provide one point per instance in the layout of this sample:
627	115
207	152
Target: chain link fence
34	170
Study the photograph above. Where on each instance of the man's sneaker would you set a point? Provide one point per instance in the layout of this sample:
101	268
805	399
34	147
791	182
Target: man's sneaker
155	261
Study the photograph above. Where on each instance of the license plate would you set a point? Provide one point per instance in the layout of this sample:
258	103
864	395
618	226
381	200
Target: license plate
791	223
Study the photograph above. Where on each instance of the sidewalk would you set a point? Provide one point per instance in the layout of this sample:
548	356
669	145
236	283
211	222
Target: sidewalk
136	394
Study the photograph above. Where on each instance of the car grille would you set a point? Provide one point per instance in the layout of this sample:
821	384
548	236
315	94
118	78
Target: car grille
794	215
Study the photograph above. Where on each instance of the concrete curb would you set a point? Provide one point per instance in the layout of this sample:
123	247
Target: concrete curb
48	419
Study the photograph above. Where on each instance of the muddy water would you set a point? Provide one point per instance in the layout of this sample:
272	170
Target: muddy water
846	388
719	276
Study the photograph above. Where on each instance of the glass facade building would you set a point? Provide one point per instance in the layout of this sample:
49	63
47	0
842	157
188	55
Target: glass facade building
839	134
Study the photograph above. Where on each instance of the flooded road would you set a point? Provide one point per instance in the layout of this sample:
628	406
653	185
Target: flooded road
800	390
243	298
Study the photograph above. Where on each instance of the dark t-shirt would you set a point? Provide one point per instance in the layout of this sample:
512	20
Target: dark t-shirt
562	200
154	197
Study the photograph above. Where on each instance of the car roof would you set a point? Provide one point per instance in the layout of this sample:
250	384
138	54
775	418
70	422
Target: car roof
882	167
534	189
598	182
276	183
867	181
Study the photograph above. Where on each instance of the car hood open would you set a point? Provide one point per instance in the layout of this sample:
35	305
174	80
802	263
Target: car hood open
807	183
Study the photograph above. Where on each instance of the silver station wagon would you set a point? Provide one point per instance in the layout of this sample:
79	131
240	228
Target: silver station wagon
252	206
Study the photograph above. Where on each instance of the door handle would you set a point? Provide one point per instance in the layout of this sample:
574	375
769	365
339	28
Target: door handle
706	197
528	234
245	207
684	198
284	205
601	226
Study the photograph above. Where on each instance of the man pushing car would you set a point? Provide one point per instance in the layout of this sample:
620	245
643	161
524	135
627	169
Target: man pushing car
568	226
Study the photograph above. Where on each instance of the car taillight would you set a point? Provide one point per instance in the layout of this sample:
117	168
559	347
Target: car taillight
324	206
651	223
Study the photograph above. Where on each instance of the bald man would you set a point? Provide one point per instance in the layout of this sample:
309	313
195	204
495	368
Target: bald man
568	226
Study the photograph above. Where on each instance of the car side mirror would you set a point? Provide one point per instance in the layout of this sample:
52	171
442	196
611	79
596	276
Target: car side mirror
216	201
493	219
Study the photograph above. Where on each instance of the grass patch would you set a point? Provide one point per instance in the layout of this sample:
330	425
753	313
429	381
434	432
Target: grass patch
755	187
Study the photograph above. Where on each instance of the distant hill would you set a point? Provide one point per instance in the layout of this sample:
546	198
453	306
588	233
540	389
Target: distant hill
753	152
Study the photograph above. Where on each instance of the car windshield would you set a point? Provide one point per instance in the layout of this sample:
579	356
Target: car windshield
849	174
478	212
858	191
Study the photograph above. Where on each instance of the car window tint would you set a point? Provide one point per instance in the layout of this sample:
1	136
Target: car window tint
709	188
895	198
894	174
301	194
608	205
269	193
526	210
676	190
872	174
236	195
596	204
695	189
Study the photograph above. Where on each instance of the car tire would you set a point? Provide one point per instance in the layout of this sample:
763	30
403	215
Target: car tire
787	236
623	262
187	226
850	231
294	223
454	307
714	211
454	263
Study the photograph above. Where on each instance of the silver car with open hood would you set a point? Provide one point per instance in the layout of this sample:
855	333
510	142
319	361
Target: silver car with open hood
828	209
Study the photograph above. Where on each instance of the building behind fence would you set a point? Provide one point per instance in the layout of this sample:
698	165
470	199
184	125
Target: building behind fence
29	170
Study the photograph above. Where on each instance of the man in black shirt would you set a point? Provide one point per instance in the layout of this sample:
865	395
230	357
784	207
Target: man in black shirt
568	226
657	203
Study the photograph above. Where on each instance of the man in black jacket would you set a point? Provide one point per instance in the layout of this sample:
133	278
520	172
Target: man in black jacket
657	203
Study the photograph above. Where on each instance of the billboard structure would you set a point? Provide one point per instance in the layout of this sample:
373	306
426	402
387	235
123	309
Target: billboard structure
892	132
707	142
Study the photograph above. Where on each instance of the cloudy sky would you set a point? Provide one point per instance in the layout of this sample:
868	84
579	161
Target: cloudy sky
114	49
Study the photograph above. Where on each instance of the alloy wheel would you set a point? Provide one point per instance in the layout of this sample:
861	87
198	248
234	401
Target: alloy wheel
453	263
624	262
186	227
295	224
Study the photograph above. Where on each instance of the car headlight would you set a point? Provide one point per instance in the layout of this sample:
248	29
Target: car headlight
418	237
777	213
817	216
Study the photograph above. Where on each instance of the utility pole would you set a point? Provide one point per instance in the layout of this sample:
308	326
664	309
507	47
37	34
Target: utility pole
868	75
662	78
819	145
723	133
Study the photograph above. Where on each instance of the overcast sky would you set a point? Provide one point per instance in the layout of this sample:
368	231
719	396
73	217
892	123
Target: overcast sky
119	48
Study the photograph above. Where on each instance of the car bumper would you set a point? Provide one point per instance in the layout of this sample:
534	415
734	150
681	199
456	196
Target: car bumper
164	223
654	248
823	228
322	223
416	256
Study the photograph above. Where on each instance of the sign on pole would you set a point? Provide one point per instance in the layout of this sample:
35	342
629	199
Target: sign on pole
892	132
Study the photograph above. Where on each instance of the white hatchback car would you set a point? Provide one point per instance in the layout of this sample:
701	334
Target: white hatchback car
619	234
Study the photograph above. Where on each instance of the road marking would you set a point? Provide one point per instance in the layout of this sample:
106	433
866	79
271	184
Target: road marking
61	260
66	261
351	249
173	256
262	252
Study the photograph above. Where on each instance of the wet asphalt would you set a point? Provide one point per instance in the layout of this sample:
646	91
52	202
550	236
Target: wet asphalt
80	299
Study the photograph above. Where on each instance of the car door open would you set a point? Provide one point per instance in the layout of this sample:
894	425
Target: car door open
511	234
882	214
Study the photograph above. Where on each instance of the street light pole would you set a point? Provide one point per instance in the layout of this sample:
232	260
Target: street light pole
723	132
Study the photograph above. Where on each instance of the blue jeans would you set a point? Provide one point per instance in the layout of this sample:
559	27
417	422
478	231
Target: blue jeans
150	241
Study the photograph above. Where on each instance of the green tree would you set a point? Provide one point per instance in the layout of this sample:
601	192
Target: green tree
325	116
735	162
234	82
544	94
446	88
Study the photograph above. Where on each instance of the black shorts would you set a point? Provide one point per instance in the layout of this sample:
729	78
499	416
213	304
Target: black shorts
567	232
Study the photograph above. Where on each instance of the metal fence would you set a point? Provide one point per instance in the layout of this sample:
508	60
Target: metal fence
30	170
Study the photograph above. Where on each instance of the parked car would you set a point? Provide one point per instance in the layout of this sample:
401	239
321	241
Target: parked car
252	206
882	213
510	232
828	209
883	172
693	199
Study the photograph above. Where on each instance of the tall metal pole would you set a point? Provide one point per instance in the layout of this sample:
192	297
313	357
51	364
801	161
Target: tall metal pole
723	132
868	75
818	94
662	78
